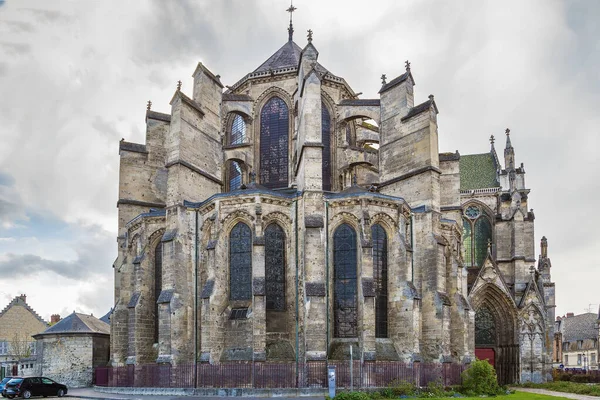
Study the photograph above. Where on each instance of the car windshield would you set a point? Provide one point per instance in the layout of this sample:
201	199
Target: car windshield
16	380
5	380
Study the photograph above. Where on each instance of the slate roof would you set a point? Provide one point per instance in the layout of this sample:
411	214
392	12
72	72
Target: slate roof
106	317
360	102
78	323
580	327
477	171
396	81
418	109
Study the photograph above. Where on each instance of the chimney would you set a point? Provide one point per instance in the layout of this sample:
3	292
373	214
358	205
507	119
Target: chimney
54	318
24	298
570	314
558	318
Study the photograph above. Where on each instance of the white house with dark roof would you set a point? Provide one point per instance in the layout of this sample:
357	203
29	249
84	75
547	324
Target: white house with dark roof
579	340
69	351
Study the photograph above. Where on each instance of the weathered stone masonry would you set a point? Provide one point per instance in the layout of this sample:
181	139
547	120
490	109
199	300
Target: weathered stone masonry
229	250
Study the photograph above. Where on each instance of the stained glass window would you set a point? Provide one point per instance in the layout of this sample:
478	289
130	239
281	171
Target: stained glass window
274	127
485	327
275	267
380	280
158	250
235	175
467	243
482	235
326	140
238	130
240	262
472	212
345	290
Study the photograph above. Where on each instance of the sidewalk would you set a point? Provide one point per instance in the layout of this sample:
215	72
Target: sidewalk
90	393
557	394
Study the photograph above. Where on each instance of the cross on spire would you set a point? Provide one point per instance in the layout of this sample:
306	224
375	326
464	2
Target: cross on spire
178	86
291	9
492	139
149	105
309	35
407	65
507	131
383	79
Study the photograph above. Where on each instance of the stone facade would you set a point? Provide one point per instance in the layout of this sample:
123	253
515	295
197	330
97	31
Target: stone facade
238	242
18	324
69	351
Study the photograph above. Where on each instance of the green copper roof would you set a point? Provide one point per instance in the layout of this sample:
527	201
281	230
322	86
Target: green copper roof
477	171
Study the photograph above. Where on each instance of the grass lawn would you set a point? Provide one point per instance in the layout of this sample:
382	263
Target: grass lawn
516	396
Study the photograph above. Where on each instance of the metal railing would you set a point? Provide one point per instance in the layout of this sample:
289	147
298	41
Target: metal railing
265	375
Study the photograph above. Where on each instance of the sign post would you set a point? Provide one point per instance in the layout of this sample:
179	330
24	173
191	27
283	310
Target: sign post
331	380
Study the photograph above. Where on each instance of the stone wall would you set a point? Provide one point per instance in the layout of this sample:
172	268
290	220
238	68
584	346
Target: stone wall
71	359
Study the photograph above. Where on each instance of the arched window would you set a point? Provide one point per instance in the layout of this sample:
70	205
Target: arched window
326	140
477	233
240	262
158	250
344	281
275	267
274	132
380	280
485	327
235	175
237	135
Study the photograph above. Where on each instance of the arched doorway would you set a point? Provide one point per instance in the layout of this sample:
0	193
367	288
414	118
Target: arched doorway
496	331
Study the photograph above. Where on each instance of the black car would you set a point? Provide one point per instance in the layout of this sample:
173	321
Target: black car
4	382
33	386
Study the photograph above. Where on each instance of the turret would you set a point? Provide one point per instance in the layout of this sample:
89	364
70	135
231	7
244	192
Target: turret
509	153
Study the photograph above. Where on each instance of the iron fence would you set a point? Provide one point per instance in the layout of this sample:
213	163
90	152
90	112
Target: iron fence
264	375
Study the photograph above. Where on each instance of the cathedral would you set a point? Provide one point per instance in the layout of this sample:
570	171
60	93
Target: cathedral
284	218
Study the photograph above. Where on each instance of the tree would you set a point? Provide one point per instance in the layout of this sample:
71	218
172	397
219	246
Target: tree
20	346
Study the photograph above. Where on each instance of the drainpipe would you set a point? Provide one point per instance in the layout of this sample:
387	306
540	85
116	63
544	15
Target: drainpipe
327	280
196	303
297	301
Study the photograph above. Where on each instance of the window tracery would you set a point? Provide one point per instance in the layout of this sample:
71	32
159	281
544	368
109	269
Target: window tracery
275	267
485	327
380	280
345	282
477	233
235	175
240	262
326	141
274	132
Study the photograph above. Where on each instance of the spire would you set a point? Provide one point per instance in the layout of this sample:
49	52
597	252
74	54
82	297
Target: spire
291	9
508	143
544	246
509	153
492	140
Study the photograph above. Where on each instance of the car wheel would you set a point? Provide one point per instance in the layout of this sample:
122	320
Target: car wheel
10	396
60	393
26	394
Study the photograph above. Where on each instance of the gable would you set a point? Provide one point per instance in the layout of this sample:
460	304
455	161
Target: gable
19	320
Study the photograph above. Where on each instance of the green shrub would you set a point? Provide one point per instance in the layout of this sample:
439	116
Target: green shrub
352	396
580	378
564	376
402	388
435	389
480	379
387	393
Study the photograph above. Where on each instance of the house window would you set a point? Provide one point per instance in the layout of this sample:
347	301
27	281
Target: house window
566	359
275	267
326	141
593	358
274	132
3	348
345	289
240	262
158	253
578	359
380	280
237	135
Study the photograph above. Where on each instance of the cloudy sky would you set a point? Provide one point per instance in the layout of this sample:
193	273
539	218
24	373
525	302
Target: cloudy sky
75	77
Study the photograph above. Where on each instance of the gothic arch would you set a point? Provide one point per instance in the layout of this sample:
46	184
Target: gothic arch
344	218
230	119
231	219
279	218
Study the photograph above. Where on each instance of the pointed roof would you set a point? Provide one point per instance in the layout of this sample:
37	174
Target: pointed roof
78	323
21	301
478	171
287	56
